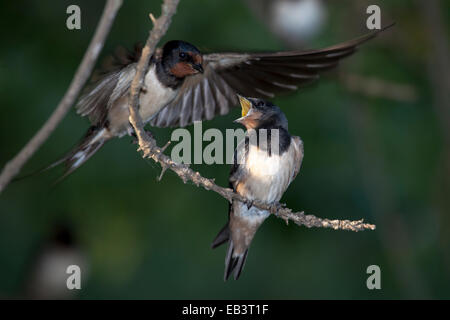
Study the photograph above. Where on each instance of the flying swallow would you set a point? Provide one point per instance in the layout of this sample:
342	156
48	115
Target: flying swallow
259	173
182	85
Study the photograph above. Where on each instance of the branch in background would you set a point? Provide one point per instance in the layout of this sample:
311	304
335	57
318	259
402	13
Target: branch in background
433	15
150	149
378	88
83	73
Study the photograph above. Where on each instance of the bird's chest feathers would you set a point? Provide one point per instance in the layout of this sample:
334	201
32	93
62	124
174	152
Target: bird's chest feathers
155	97
259	164
266	177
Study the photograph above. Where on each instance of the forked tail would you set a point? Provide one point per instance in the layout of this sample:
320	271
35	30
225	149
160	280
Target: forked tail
233	262
94	139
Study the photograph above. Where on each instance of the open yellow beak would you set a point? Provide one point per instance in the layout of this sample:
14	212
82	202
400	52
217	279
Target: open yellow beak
245	105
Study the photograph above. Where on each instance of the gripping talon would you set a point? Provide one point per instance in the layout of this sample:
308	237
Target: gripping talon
275	207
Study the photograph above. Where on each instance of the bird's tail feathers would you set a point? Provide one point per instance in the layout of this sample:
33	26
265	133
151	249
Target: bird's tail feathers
222	237
234	262
93	140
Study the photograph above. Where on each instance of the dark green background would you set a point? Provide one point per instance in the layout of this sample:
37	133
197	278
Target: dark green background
365	157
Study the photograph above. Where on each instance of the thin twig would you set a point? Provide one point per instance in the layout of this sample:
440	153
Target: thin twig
150	149
13	167
379	88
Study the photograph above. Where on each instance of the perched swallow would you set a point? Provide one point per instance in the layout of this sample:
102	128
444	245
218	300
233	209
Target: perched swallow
258	173
183	85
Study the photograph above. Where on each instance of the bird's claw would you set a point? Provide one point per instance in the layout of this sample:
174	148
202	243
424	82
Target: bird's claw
249	204
275	207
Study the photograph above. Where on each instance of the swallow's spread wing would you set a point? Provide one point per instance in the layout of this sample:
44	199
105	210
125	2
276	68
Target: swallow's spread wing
99	97
110	82
251	74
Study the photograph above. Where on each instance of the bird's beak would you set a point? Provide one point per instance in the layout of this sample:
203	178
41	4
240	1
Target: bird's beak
245	105
198	67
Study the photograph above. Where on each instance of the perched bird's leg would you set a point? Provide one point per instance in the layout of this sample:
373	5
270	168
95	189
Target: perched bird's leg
275	207
249	204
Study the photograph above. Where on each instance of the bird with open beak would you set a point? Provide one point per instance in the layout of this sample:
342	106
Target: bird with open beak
265	163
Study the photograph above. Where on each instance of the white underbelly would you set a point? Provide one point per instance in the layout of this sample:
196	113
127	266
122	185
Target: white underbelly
268	176
152	100
156	96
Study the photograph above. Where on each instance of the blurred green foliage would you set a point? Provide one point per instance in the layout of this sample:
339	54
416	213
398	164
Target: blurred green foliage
365	157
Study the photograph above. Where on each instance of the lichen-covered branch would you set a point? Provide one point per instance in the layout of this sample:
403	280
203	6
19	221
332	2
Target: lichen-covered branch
83	73
151	150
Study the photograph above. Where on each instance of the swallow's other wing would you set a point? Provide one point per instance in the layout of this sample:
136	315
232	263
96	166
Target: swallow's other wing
262	75
297	145
109	83
100	96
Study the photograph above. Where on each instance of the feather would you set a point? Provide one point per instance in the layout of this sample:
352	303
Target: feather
260	75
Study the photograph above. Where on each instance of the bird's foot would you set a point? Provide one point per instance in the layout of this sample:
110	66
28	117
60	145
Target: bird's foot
249	204
275	207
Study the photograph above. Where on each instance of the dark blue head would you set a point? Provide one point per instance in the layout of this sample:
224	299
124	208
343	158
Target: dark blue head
258	113
182	59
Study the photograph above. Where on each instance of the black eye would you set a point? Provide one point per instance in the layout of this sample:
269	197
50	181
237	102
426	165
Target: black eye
183	55
259	103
